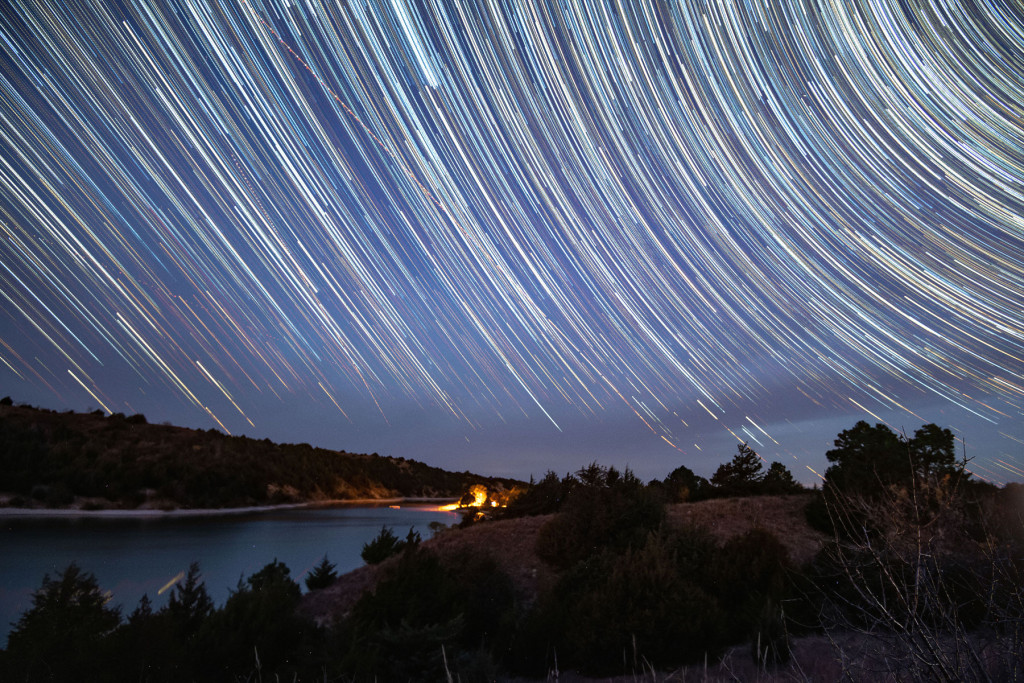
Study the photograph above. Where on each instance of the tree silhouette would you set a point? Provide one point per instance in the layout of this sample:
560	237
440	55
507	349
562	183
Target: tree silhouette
741	476
682	485
189	604
322	576
257	628
868	459
62	636
778	480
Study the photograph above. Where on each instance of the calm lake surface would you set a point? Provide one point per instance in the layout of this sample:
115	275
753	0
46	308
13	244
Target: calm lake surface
137	555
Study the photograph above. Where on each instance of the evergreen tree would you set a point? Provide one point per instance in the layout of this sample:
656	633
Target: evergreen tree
257	629
63	636
682	485
741	476
322	576
189	604
933	452
386	544
778	481
868	459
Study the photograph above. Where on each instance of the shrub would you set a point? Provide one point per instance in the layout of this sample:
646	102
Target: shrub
614	611
752	574
540	498
607	510
918	587
462	604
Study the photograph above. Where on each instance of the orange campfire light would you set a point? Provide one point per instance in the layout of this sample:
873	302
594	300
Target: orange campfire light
480	499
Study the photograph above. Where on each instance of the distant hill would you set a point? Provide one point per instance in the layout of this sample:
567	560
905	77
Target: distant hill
95	461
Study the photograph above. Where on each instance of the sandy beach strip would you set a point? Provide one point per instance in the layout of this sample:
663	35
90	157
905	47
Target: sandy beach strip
211	512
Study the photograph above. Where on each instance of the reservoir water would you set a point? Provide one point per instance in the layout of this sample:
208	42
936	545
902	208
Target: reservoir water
131	556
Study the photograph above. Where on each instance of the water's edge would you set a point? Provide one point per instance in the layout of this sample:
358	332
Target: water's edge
213	512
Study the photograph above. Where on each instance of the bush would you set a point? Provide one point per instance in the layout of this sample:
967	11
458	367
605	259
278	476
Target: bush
752	572
917	585
614	611
397	632
540	498
606	510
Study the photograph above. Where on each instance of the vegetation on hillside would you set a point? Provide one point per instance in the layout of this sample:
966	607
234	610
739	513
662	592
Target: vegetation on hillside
924	565
52	459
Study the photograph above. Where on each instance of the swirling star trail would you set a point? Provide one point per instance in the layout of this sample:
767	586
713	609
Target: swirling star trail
513	236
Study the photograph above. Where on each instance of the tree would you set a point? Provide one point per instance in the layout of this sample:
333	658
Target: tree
63	635
539	498
682	485
386	544
189	604
933	452
145	645
169	640
606	509
741	476
322	576
257	628
779	481
868	459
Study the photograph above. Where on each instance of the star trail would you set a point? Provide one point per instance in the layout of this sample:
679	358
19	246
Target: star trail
517	236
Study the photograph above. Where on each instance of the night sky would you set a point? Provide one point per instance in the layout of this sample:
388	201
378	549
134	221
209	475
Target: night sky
512	237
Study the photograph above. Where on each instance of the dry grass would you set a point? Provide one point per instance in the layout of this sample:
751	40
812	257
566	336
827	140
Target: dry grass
510	542
781	515
813	659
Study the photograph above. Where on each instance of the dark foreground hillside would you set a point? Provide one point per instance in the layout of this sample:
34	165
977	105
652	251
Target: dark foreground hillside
51	459
512	544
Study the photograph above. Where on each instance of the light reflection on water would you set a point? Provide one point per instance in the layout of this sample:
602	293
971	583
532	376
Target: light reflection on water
132	556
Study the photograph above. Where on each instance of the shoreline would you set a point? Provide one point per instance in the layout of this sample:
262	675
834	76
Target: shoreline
7	511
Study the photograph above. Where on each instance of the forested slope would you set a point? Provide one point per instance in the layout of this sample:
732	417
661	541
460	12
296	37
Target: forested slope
60	459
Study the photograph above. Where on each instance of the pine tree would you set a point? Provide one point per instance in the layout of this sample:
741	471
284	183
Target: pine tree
64	635
322	576
189	604
741	476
